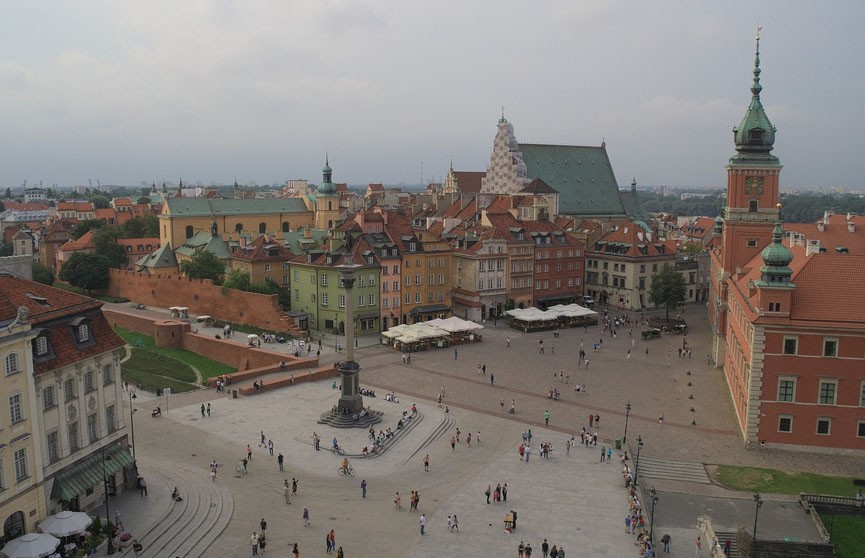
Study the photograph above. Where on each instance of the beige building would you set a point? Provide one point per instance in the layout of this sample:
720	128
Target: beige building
22	499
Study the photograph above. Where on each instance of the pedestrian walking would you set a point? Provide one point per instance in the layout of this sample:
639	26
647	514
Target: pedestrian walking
363	488
270	446
294	482
286	492
505	492
118	520
426	463
508	341
422	524
305	516
249	451
665	540
521	550
478	438
488	492
453	443
331	537
142	486
492	379
295	551
263	439
253	541
545	548
208	409
698	548
456	354
202	410
397	500
280	459
547	417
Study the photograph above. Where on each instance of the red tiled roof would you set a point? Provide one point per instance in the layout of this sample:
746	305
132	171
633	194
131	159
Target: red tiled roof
81	206
260	250
26	206
835	233
376	188
85	242
629	237
500	204
469	181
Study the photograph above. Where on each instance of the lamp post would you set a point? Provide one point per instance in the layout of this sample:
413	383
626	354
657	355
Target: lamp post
132	395
759	502
654	495
107	511
637	470
627	416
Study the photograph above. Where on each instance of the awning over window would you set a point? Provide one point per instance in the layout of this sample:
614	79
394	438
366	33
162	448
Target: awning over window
429	309
82	476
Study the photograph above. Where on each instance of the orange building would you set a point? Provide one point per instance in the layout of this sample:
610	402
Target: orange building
786	308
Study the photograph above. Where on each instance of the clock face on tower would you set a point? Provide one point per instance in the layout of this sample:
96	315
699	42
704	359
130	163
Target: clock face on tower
754	185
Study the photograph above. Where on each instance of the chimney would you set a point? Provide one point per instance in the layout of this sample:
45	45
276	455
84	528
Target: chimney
813	247
851	226
821	226
307	232
242	240
826	215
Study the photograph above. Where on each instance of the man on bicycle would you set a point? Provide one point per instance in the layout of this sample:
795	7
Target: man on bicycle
345	464
335	443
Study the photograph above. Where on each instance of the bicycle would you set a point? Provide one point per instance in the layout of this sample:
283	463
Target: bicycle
337	450
348	471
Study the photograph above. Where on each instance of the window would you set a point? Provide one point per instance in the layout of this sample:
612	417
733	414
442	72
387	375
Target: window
408	298
83	333
41	346
92	431
371	300
72	432
107	375
442	295
12	366
89	385
110	420
830	347
48	397
431	263
752	206
412	247
860	429
828	389
324	299
267	267
361	281
384	302
862	394
396	269
296	294
441	262
417	280
441	278
408	280
824	426
786	389
53	447
371	280
285	265
408	263
785	423
361	300
296	275
69	389
395	286
20	458
417	298
751	243
312	298
16	409
324	279
791	345
285	279
429	297
342	301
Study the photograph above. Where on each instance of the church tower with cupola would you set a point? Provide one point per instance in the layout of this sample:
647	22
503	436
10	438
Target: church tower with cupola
326	199
752	183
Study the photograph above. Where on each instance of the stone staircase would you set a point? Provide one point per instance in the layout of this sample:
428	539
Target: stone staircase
653	468
187	528
291	327
723	536
338	420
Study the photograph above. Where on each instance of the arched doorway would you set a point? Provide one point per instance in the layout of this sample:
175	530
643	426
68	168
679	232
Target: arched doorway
14	526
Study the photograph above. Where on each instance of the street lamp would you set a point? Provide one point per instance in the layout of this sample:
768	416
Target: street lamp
132	395
654	495
107	511
627	416
637	470
759	502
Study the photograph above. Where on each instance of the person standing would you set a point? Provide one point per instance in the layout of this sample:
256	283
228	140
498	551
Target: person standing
294	482
253	541
332	538
521	549
270	447
422	524
488	492
202	410
665	540
305	516
295	551
426	463
455	354
505	492
528	549
142	486
280	459
286	491
545	548
698	548
208	409
249	452
547	417
363	488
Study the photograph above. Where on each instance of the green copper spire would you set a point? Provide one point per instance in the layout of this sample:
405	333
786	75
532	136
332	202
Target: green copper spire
326	188
755	135
776	260
503	120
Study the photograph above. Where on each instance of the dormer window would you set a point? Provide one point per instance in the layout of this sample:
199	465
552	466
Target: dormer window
520	236
412	247
83	333
41	346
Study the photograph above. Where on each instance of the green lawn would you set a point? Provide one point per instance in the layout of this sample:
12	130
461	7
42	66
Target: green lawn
848	532
208	368
150	371
770	481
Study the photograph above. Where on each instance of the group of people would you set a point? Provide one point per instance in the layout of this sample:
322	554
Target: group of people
499	494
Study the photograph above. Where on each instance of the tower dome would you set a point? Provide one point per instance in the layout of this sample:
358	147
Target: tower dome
755	135
776	259
327	187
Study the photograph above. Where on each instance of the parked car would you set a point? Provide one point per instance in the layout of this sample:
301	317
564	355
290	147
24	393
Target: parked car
588	301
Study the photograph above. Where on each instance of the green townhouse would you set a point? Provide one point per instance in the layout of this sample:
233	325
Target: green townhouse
316	288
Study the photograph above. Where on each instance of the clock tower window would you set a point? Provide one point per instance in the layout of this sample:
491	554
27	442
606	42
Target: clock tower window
752	206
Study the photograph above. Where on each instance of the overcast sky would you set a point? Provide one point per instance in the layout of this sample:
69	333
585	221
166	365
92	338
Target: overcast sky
125	91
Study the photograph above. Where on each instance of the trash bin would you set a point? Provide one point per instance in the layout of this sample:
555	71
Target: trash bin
234	394
158	392
618	443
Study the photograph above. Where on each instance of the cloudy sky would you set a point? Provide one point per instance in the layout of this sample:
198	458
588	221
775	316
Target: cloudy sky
128	91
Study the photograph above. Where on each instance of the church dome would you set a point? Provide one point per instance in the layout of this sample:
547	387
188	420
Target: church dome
754	137
776	255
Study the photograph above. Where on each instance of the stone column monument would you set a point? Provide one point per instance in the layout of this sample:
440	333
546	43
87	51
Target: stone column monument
350	401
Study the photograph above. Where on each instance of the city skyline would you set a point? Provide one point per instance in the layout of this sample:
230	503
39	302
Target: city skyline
131	92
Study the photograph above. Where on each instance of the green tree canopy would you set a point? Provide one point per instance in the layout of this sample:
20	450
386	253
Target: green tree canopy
6	249
105	240
43	274
146	226
100	202
668	289
238	279
86	271
144	200
204	265
83	226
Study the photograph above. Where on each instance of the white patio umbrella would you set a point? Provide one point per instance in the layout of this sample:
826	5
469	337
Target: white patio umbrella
31	545
65	523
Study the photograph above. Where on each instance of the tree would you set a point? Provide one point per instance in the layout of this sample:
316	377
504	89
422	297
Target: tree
668	289
6	249
146	226
237	279
2	206
144	200
43	274
83	226
99	201
204	265
105	240
86	271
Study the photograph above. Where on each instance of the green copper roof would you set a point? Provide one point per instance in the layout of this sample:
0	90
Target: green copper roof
755	135
204	241
582	175
776	260
204	207
161	257
327	187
